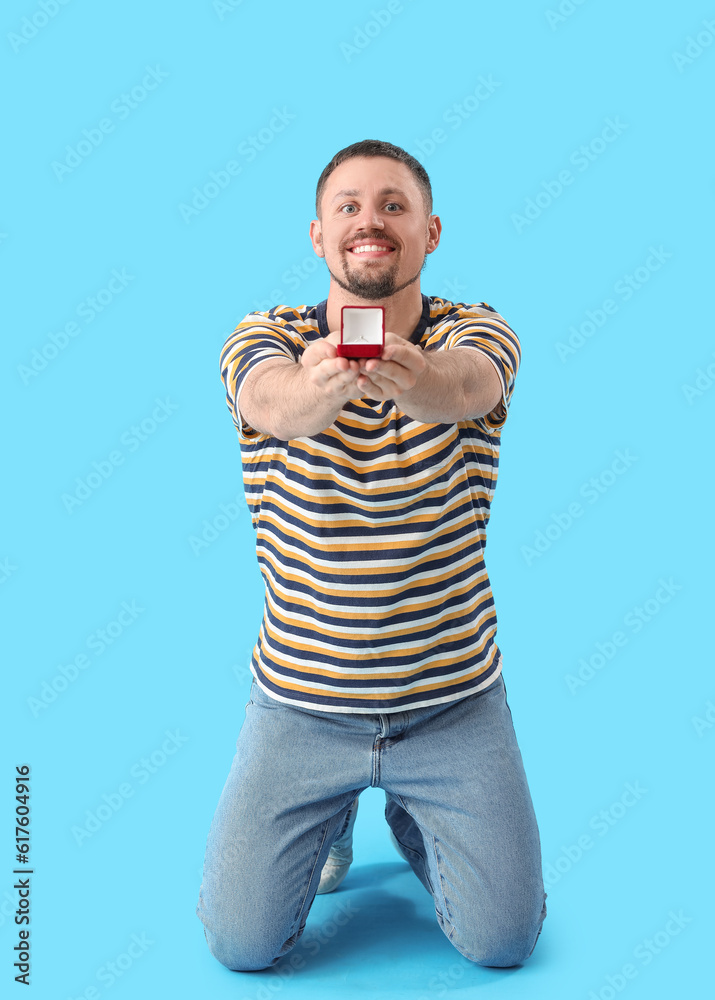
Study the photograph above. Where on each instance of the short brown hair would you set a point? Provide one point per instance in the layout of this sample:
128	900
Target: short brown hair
375	147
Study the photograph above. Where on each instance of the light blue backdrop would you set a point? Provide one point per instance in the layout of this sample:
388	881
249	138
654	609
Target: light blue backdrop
570	151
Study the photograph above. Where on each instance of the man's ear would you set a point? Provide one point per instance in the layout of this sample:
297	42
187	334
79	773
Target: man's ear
316	237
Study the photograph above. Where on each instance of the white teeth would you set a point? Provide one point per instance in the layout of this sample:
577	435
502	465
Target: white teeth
362	249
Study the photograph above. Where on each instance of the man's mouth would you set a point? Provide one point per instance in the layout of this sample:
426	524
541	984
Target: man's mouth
371	250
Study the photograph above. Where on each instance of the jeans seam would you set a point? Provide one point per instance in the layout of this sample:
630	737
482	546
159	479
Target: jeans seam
542	917
307	887
443	899
446	915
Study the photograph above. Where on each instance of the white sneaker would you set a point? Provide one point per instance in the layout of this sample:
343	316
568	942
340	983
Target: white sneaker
341	855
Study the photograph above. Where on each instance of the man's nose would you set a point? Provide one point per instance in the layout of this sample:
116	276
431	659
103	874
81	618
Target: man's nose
374	217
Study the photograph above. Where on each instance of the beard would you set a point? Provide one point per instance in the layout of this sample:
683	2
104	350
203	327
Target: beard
373	287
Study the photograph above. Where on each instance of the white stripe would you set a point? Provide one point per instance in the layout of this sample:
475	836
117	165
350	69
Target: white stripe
325	687
423	532
367	491
425	702
402	644
358	630
376	567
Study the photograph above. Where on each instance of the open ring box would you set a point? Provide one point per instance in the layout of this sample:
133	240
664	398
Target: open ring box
362	331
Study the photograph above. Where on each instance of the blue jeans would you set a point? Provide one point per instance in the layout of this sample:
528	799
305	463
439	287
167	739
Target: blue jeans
458	803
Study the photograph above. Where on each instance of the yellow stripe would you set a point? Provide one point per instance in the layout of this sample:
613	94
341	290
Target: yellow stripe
372	508
362	573
433	685
384	589
337	653
344	615
269	519
409	562
373	490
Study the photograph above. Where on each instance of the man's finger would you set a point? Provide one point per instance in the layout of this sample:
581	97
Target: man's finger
404	354
335	373
391	374
319	350
368	388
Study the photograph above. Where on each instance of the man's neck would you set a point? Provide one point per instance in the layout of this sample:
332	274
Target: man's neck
402	311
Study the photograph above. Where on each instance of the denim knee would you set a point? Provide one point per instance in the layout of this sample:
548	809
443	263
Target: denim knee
501	946
239	954
503	953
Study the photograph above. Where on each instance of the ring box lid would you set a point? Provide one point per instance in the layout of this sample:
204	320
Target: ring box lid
362	331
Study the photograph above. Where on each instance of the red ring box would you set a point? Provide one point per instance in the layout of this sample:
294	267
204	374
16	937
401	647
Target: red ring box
362	331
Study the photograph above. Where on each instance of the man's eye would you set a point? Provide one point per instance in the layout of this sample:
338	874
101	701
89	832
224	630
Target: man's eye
391	203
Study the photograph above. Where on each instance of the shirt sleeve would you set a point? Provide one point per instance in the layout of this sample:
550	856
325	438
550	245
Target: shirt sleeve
255	340
482	328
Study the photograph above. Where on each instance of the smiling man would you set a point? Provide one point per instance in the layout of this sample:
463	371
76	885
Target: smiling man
369	484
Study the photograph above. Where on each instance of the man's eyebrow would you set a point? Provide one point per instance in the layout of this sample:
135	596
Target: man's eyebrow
350	193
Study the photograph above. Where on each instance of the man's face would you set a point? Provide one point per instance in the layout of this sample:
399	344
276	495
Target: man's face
374	201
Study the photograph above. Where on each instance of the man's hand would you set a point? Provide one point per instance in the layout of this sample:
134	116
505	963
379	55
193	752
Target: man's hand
336	377
433	386
397	370
289	399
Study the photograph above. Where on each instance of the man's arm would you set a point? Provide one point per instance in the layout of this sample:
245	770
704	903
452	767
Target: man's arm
289	399
435	387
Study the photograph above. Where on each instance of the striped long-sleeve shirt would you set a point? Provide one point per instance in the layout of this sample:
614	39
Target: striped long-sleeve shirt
370	535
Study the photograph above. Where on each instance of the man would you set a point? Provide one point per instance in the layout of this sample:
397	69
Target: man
369	484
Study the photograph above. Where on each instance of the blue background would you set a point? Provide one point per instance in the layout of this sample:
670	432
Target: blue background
306	81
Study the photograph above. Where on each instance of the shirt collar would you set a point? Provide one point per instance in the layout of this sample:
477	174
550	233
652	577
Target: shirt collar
414	338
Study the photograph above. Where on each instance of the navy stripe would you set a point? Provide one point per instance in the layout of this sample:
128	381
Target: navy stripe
316	573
